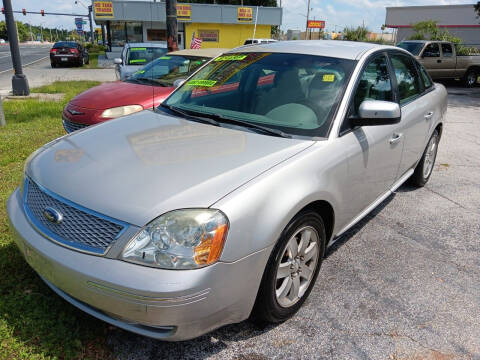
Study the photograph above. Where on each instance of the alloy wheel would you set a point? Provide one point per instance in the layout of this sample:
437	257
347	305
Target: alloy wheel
297	266
430	155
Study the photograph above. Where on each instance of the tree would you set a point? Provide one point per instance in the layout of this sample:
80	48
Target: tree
477	8
355	34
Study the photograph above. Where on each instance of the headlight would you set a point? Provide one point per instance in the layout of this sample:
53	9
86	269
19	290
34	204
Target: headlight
121	111
180	239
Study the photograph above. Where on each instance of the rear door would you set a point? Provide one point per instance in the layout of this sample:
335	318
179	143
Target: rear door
432	60
416	113
448	63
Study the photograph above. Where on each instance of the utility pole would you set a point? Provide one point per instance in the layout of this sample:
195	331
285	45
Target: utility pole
171	8
308	14
31	35
19	80
91	23
50	35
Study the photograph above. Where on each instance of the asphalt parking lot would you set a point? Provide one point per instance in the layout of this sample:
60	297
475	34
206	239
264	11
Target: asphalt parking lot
403	284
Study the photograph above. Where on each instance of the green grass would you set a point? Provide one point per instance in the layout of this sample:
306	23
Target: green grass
93	61
35	323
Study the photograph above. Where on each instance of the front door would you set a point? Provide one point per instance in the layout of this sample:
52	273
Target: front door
432	61
374	152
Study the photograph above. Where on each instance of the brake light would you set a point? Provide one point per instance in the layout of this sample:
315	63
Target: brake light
74	51
53	51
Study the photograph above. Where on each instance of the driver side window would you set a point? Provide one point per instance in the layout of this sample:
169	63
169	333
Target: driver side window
374	83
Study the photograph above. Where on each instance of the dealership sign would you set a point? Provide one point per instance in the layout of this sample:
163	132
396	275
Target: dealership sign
245	14
103	9
184	12
315	24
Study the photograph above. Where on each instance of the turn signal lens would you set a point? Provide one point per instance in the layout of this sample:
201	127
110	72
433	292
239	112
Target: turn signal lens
210	249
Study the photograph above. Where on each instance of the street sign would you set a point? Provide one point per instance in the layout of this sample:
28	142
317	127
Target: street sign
316	24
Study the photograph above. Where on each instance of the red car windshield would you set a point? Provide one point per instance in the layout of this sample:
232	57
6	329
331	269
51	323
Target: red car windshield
166	69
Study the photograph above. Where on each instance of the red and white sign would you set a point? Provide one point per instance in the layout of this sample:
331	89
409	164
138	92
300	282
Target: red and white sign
316	24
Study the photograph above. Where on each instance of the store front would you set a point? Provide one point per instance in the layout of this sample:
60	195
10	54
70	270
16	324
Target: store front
217	25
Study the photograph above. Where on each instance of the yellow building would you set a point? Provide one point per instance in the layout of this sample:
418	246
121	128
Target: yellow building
224	26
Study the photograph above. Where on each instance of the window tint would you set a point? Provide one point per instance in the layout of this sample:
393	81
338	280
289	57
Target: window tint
447	50
432	50
427	81
374	83
67	44
407	77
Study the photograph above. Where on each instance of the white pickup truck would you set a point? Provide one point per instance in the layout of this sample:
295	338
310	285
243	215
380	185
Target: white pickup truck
442	62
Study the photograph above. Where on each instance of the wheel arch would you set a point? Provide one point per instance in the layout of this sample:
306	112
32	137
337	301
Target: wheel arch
325	210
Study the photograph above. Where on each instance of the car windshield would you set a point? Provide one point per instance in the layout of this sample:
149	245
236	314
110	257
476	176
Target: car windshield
66	44
143	55
294	93
412	47
166	69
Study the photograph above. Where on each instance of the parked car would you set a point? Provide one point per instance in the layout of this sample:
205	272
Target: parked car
220	204
258	41
145	89
136	55
68	53
442	61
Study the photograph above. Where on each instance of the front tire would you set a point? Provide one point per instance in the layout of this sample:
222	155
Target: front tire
291	270
424	168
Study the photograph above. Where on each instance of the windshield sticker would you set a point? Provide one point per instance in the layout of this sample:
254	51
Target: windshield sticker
165	58
328	77
138	49
204	83
138	61
231	58
139	72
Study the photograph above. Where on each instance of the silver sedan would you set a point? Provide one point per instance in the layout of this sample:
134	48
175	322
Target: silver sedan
220	204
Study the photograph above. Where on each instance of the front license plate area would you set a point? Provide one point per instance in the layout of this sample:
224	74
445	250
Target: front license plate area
41	265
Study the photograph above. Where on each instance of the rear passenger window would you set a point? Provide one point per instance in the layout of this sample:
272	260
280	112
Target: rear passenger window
427	81
407	77
374	83
447	50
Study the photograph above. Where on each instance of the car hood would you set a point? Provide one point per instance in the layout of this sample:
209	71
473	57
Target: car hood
120	93
137	170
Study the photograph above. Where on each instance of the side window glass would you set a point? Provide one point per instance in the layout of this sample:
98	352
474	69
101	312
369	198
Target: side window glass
407	77
432	50
447	50
427	81
374	83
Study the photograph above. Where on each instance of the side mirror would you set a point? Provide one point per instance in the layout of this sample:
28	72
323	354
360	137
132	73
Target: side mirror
178	82
377	112
118	61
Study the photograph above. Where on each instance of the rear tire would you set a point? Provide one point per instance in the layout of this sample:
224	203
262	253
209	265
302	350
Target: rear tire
53	65
424	168
470	77
291	270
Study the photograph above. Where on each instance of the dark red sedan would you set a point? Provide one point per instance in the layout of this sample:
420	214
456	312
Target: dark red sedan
68	53
145	89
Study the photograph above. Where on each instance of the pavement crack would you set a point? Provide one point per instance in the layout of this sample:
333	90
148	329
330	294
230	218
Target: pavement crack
452	201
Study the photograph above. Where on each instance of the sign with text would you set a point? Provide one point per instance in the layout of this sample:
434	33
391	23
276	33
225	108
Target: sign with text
103	9
208	35
316	24
184	12
245	14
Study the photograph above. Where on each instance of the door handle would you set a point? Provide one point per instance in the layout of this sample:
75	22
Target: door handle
428	115
439	61
395	138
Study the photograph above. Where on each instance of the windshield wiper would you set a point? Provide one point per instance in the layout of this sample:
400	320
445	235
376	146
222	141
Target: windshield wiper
216	119
187	115
146	80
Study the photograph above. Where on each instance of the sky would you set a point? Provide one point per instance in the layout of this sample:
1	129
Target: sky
336	13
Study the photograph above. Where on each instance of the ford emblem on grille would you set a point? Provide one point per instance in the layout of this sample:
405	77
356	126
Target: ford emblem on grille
52	215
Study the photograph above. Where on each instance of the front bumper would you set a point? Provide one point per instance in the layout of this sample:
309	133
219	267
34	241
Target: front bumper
164	304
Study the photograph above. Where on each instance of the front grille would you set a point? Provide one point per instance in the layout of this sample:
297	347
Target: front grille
71	126
79	228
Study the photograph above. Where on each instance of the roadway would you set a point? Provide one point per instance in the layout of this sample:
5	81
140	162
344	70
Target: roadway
28	54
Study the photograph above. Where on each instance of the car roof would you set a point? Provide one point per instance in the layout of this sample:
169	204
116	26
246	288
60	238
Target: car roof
210	53
332	48
162	44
